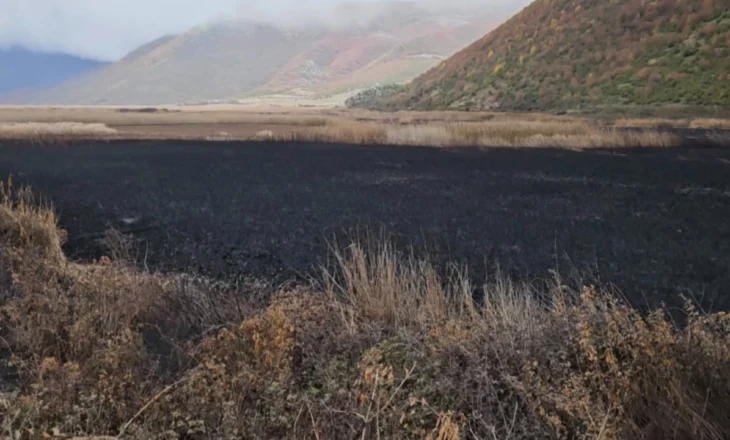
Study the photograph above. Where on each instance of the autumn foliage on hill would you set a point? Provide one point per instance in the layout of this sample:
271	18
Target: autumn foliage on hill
568	54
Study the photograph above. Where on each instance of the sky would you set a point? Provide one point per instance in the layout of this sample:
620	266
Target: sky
109	29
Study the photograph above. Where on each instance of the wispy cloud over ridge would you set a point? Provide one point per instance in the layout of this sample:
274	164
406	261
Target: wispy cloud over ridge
109	29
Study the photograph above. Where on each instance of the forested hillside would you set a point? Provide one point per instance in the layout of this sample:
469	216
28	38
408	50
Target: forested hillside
566	54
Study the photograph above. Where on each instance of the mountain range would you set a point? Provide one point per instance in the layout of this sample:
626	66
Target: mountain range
26	70
225	62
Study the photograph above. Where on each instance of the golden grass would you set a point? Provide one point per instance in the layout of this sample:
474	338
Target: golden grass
383	345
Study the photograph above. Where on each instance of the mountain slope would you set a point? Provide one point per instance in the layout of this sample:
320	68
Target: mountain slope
564	54
373	42
345	60
22	69
208	63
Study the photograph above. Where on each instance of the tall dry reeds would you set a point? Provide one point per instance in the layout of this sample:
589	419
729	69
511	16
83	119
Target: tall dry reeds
483	134
437	129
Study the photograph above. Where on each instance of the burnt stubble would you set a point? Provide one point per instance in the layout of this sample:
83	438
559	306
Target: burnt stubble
651	222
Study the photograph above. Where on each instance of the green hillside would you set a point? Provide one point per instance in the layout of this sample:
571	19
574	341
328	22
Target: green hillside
578	54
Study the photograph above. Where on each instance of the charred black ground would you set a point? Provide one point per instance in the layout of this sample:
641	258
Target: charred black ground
654	223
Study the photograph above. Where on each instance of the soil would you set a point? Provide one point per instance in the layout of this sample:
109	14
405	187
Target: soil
653	223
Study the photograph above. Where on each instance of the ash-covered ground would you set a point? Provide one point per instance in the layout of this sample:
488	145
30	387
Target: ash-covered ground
653	223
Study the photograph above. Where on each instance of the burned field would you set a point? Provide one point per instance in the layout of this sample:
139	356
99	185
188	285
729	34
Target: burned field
652	222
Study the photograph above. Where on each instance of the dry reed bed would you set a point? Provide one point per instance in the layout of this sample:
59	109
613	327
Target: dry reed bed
42	132
341	126
402	128
485	134
382	346
251	115
231	114
699	123
162	115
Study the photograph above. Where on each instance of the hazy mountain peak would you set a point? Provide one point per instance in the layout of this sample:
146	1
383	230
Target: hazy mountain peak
22	69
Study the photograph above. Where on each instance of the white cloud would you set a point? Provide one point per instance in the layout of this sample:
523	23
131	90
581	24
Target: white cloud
109	29
102	29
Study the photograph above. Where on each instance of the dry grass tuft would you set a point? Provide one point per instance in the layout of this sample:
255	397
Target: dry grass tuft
384	346
27	225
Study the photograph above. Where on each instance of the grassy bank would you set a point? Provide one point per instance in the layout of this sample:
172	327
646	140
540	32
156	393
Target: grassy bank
380	345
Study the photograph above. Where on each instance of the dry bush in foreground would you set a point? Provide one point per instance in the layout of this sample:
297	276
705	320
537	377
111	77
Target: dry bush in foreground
384	346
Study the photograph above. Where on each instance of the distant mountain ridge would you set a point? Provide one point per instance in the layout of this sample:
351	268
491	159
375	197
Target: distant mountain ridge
23	69
567	54
185	68
236	60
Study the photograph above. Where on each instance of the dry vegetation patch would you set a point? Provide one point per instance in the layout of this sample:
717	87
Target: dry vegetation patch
575	135
50	132
340	126
650	123
709	123
384	345
699	123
